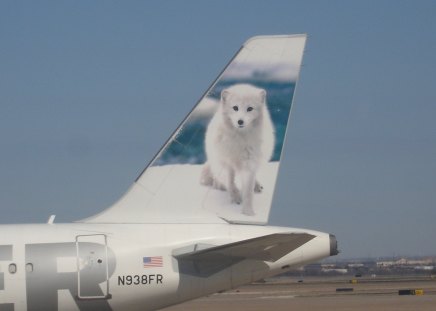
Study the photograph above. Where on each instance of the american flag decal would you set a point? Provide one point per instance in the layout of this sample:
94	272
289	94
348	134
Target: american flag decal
152	262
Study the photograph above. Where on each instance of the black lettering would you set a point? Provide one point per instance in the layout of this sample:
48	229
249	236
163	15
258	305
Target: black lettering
143	279
121	280
159	278
129	280
137	280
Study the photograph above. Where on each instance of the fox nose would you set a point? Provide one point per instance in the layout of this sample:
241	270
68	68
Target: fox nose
241	122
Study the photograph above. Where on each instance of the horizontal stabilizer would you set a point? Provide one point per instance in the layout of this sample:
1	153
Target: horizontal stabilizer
269	248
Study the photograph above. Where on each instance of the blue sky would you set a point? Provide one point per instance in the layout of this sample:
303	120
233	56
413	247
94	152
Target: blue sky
89	90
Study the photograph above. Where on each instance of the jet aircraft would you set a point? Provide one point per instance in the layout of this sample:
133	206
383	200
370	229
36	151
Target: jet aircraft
194	222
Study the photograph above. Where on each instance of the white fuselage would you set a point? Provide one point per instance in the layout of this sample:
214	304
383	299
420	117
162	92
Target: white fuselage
101	266
169	238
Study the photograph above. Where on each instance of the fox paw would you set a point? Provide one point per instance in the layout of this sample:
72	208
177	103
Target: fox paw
248	211
258	187
236	196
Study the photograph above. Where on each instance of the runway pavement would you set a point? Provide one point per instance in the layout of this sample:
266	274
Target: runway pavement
379	293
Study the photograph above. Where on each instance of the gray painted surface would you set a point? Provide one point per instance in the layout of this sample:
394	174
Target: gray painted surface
44	257
5	254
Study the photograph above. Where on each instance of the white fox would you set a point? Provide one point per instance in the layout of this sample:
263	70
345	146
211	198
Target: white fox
239	139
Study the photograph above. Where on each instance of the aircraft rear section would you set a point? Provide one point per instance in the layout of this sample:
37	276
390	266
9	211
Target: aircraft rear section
189	224
193	285
135	267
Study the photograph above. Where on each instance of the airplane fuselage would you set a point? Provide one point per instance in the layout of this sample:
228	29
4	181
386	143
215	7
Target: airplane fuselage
177	233
127	267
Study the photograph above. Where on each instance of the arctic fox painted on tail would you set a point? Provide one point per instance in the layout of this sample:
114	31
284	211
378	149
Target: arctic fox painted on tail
239	139
227	142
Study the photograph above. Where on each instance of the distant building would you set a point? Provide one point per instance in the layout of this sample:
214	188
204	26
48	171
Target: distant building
356	265
338	271
406	262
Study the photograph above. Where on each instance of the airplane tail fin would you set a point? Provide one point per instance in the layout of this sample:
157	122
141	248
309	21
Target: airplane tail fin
221	163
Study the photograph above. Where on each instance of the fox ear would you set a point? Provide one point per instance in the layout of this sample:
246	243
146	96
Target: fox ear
262	95
224	95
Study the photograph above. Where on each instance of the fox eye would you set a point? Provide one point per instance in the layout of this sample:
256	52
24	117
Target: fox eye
235	108
249	109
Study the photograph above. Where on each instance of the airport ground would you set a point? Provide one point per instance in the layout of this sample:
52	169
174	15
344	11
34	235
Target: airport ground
320	293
